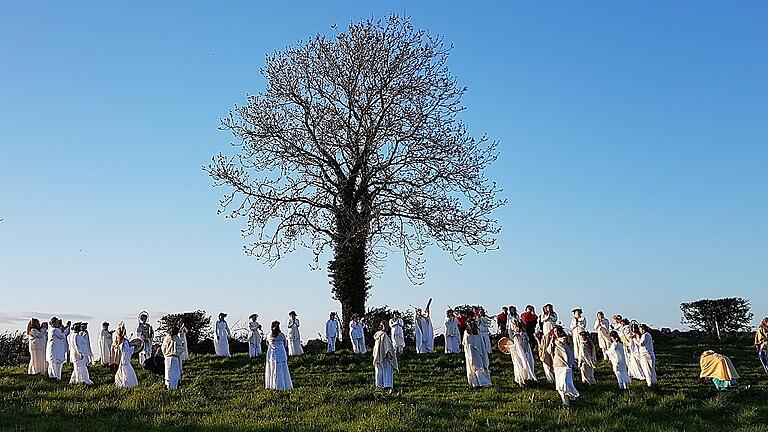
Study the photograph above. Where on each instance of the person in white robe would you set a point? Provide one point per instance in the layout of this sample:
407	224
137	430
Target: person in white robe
221	336
384	358
520	351
631	350
484	328
548	319
476	358
646	355
294	336
56	349
332	331
615	353
255	336
122	351
563	362
44	331
587	359
67	330
425	333
398	337
276	373
452	333
105	345
146	333
578	325
603	329
87	336
357	334
171	348
36	345
543	343
78	353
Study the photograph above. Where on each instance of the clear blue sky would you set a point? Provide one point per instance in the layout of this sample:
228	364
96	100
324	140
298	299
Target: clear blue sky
633	153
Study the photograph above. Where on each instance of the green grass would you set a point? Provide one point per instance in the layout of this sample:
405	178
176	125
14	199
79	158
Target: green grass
335	393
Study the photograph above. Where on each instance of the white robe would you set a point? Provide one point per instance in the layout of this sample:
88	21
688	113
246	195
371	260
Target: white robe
276	373
396	333
384	360
294	337
522	357
425	335
36	343
647	358
145	332
578	325
171	348
78	354
548	322
615	353
332	334
563	372
484	331
254	339
476	361
452	336
125	376
221	339
105	347
56	352
603	330
357	336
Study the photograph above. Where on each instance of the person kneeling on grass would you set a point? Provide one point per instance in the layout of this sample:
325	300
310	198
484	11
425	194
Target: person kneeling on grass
719	368
562	362
172	347
384	358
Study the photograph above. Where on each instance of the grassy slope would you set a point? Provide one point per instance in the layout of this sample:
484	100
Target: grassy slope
335	393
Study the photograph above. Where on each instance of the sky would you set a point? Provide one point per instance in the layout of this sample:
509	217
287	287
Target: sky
633	153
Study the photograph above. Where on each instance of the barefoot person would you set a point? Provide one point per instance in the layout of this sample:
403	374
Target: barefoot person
563	361
122	352
276	374
221	336
398	337
332	331
171	348
384	358
294	336
451	333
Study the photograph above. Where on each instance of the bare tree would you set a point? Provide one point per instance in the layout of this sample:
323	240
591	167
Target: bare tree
355	145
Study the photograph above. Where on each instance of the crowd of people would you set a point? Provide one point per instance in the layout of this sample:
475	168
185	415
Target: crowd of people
561	350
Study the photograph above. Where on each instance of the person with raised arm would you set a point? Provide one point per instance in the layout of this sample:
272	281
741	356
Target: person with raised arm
294	336
276	373
548	319
357	334
451	333
255	336
384	358
425	333
398	337
332	331
122	351
578	325
36	345
221	336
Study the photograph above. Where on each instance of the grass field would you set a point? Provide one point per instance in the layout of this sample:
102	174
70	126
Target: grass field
335	392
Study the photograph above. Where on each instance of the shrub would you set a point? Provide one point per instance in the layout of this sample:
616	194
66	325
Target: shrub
198	325
14	349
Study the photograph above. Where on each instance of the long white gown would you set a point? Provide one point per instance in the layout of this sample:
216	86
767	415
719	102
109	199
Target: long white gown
603	330
425	335
332	334
78	353
396	332
384	360
105	347
578	325
125	376
615	353
55	352
276	373
452	336
171	348
562	362
632	353
484	331
476	361
548	322
647	358
36	343
254	339
357	336
221	339
294	337
145	332
522	357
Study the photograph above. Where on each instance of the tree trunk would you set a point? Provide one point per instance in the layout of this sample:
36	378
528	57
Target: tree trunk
349	268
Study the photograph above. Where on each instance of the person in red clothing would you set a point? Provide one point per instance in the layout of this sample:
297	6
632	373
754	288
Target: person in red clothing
501	321
530	320
461	320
